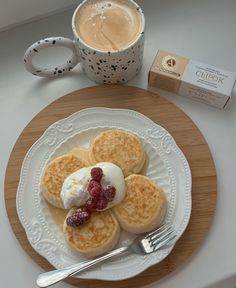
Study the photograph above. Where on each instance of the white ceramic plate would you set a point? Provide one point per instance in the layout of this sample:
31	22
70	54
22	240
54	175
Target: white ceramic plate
167	165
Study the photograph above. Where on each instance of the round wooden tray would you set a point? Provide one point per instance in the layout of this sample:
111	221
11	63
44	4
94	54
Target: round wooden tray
161	111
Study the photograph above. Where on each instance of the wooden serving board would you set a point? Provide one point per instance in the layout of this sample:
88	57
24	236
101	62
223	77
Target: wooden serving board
161	111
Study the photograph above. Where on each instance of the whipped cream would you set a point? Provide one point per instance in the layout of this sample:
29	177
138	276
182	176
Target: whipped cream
74	192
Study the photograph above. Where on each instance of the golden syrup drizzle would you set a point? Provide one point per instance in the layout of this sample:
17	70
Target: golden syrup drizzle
81	152
58	214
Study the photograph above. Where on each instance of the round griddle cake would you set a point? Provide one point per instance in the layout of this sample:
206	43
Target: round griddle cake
144	206
96	236
119	147
55	173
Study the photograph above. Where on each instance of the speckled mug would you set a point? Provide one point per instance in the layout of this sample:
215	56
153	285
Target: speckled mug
100	66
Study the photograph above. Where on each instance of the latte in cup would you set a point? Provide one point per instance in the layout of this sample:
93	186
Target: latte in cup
108	25
108	42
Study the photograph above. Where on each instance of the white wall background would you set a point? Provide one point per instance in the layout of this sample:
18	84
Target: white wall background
15	12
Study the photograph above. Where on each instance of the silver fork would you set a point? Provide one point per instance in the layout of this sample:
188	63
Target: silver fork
141	245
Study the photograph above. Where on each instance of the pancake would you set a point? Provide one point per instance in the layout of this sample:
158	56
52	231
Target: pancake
82	153
118	147
54	175
144	206
96	236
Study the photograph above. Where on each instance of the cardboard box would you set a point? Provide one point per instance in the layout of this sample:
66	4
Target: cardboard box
192	79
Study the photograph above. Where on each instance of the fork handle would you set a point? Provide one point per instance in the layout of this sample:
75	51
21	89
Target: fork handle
48	278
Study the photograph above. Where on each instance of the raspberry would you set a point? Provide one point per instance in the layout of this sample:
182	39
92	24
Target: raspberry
101	203
91	203
109	192
95	192
94	188
74	221
96	174
91	185
78	217
82	213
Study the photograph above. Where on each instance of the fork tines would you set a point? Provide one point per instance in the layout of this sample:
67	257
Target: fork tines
160	236
159	231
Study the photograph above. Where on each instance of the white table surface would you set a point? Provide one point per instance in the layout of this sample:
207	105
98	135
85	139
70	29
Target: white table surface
14	13
202	30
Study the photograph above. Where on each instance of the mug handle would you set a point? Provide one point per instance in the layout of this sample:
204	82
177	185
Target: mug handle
50	43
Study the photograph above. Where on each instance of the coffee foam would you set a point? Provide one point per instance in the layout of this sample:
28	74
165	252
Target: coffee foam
108	25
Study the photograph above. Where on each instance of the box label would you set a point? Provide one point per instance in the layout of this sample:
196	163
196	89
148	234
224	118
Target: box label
192	79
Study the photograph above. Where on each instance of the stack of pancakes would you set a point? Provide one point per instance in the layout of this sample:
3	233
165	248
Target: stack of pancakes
142	210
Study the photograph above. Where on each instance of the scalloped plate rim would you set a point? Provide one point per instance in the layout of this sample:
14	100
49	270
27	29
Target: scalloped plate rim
100	109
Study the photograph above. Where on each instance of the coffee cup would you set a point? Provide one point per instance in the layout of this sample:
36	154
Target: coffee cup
108	42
